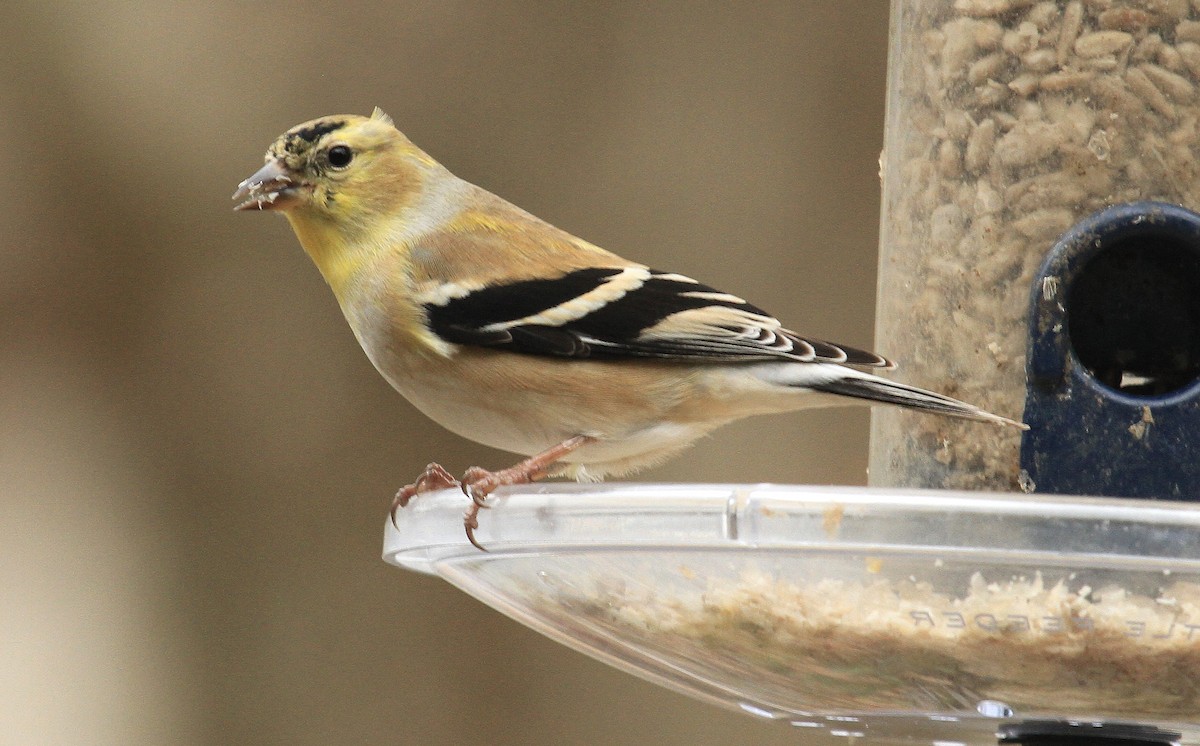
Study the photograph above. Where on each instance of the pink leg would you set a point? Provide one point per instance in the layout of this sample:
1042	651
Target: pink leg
478	483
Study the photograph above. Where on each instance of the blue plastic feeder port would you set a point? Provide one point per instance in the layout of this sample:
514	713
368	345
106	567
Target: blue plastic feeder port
1113	400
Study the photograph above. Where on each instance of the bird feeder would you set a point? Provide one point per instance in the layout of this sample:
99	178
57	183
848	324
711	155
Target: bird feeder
1039	258
1026	144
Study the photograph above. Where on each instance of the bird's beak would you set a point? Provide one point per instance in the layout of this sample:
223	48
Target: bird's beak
272	187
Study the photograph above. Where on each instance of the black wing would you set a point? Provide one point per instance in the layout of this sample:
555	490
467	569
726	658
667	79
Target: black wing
621	312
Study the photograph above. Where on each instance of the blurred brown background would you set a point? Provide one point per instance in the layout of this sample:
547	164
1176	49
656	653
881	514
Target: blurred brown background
195	457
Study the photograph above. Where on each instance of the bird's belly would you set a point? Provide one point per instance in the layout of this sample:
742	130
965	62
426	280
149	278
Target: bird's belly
615	450
526	404
481	418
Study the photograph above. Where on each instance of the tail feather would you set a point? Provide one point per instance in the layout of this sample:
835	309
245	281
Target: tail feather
882	390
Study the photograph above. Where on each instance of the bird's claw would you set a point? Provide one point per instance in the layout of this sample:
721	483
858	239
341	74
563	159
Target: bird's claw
433	478
477	484
470	523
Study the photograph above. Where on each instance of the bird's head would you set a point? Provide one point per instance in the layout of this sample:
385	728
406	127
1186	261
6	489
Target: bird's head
346	184
340	168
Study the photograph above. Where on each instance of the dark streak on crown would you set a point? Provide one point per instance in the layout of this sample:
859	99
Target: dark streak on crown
299	140
314	132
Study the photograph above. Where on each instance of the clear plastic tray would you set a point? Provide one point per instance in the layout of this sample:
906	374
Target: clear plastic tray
903	615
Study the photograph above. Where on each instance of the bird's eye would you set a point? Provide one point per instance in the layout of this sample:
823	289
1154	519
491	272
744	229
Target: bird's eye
340	156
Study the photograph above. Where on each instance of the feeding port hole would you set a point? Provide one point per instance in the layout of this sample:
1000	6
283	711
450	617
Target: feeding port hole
1133	311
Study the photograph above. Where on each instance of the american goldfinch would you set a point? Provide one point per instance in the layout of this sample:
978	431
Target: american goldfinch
518	335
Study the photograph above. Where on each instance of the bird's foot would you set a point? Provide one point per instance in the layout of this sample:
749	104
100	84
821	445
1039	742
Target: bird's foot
432	479
478	483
